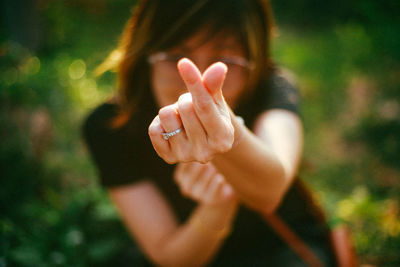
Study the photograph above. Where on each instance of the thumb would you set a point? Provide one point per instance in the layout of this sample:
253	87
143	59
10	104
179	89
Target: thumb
213	79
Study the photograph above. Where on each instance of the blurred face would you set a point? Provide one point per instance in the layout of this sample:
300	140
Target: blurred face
166	83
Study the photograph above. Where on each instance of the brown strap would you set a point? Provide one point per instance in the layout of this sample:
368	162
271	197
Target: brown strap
343	247
293	241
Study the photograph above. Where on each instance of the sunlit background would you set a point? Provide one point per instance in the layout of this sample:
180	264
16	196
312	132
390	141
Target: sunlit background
344	56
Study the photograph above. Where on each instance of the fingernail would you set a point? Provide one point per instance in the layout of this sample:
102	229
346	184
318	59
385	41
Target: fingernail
223	65
184	60
227	190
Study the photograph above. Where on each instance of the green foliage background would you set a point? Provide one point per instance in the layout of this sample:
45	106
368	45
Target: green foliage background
346	59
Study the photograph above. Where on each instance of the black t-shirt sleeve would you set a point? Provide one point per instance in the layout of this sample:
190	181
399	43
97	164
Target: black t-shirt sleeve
282	94
275	92
112	152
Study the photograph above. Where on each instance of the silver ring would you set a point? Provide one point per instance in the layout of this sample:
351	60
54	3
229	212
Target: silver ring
166	136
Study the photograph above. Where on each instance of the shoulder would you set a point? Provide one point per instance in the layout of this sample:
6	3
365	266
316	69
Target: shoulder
97	124
282	91
284	82
113	150
276	90
100	118
97	131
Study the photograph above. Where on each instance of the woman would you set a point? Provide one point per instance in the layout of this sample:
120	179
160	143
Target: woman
189	178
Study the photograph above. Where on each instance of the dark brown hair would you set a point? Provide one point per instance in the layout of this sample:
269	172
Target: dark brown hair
158	25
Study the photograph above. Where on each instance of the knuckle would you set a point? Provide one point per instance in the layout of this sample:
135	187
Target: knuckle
163	111
185	98
166	112
198	198
202	160
185	106
214	145
185	157
224	146
204	157
218	180
221	144
169	159
196	193
153	130
186	191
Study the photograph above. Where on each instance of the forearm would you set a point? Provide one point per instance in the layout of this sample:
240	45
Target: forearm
196	242
254	170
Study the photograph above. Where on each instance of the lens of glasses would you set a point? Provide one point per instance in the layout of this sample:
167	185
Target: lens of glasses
166	65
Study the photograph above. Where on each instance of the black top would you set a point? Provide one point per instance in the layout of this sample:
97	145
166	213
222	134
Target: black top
125	155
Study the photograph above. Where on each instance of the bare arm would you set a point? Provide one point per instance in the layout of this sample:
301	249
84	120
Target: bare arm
263	165
260	168
151	221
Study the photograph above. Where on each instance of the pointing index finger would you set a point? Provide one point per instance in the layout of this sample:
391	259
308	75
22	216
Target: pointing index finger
192	77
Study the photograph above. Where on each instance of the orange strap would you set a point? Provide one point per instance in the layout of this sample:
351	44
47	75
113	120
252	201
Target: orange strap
293	241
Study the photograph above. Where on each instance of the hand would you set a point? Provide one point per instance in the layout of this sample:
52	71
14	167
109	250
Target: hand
202	114
202	183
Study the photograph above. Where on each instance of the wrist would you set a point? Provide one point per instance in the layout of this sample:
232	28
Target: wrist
215	220
239	126
204	228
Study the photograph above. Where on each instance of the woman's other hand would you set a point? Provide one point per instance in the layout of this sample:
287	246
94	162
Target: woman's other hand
202	183
202	114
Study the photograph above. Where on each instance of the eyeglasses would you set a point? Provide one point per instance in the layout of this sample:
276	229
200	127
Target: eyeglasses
230	61
165	65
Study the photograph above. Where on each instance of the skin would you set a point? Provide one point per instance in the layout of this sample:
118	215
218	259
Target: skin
220	163
203	56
